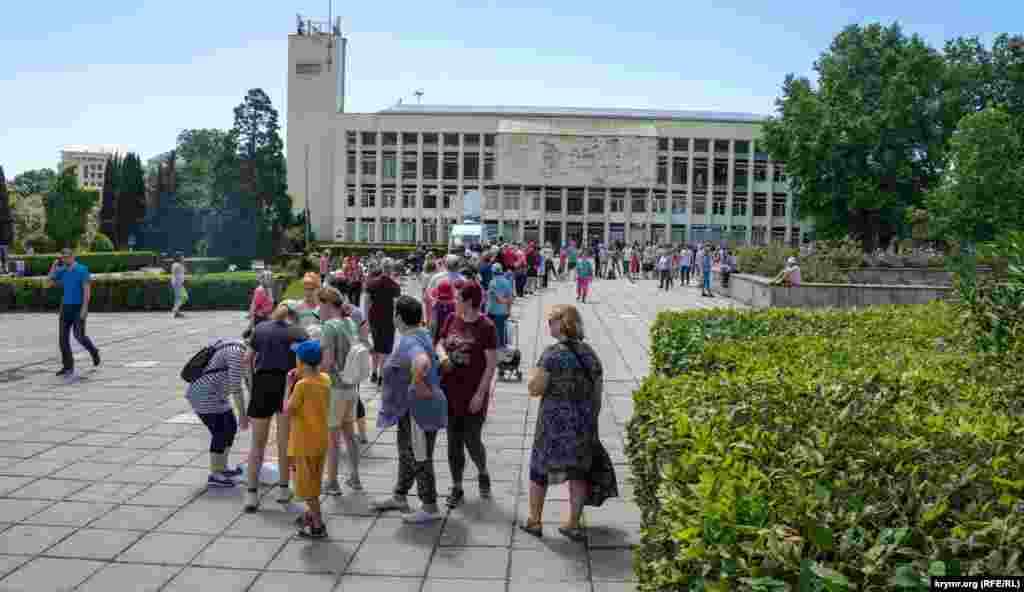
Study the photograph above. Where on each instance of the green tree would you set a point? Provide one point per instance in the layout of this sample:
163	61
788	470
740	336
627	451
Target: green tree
108	209
980	196
198	152
130	198
35	181
67	206
863	143
6	213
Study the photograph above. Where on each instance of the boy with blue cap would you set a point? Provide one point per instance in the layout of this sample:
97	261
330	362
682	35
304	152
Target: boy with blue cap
307	407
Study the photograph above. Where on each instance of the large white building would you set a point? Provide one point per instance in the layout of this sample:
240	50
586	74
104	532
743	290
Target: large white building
549	174
90	162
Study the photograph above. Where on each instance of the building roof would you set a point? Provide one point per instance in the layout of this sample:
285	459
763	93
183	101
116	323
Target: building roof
95	149
521	111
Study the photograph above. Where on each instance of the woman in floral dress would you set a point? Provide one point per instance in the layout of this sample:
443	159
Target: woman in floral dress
569	378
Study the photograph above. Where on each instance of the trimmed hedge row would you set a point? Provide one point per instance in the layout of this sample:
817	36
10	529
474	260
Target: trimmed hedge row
113	262
136	293
364	249
828	450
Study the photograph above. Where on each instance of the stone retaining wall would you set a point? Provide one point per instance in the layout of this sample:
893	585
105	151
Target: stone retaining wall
757	291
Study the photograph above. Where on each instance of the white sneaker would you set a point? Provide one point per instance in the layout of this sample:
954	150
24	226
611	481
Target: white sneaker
421	516
284	494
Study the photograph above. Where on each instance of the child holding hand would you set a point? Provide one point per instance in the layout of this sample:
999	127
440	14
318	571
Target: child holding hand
307	407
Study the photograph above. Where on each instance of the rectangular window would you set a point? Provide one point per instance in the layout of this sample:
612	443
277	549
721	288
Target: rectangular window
369	138
451	139
369	163
742	147
700	205
408	197
533	198
350	193
350	162
409	162
700	145
407	231
760	204
430	165
760	170
718	205
389	230
739	175
512	199
575	201
618	201
451	166
639	200
721	173
595	201
490	199
663	144
759	235
779	205
350	230
430	232
389	165
679	165
721	146
700	174
430	139
778	235
388	196
794	237
449	197
389	138
369	197
410	139
489	166
779	175
739	206
678	202
662	170
681	144
470	165
367	230
471	139
488	140
430	199
308	69
552	199
350	139
660	202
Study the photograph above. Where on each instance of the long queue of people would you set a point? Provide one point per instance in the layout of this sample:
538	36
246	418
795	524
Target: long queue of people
434	360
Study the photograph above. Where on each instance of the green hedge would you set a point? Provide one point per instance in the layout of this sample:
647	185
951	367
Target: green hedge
143	292
831	450
363	249
113	262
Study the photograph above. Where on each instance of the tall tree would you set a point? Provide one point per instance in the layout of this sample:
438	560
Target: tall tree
35	181
863	143
67	206
131	198
198	151
980	196
6	213
108	209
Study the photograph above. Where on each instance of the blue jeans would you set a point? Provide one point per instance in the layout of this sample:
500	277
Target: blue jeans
223	428
70	321
706	276
502	330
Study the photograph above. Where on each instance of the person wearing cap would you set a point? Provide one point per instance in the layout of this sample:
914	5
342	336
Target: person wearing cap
382	290
270	350
499	301
307	312
307	409
178	285
447	269
790	275
211	396
443	297
74	278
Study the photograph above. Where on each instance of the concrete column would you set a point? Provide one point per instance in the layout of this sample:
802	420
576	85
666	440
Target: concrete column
689	190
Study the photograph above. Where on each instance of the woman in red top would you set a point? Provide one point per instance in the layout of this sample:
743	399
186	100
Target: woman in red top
355	282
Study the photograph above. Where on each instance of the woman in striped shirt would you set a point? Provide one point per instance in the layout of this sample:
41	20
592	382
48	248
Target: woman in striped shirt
211	396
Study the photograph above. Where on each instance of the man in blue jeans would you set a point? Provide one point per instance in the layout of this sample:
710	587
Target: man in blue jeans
705	270
74	277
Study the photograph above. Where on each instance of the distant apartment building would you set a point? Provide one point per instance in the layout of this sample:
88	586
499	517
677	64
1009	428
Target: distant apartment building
546	174
90	162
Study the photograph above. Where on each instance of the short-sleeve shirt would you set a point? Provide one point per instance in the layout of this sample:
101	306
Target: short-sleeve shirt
308	418
585	269
262	303
466	344
572	254
272	340
177	274
307	315
222	378
382	291
398	398
500	287
73	280
339	335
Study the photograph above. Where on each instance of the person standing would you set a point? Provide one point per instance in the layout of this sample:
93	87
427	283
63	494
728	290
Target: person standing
664	269
325	267
262	299
705	270
685	261
211	396
569	381
413	400
382	291
307	409
467	350
308	310
499	299
178	285
74	309
584	275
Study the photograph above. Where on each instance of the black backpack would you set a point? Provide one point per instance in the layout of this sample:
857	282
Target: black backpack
195	368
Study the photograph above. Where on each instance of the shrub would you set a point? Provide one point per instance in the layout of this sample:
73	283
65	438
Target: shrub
826	264
832	450
206	265
102	244
114	262
138	292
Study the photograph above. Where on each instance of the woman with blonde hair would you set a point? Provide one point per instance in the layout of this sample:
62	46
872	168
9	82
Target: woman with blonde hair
569	380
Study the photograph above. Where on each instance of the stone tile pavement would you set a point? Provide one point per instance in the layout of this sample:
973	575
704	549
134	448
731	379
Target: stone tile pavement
99	492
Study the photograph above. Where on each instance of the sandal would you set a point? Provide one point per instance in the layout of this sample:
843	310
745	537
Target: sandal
573	533
455	498
534	529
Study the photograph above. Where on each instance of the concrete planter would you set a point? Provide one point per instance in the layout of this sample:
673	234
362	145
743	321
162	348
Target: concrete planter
757	292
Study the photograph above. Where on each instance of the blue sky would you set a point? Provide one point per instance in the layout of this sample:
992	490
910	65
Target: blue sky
136	73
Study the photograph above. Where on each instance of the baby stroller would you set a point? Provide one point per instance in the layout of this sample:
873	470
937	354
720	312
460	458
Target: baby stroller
510	358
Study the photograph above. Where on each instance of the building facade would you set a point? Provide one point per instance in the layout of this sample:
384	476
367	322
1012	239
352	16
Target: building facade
90	162
547	174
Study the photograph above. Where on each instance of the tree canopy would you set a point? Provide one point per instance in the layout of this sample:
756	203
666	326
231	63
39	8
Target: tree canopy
67	206
6	214
34	181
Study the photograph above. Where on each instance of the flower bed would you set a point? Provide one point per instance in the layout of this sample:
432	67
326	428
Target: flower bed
834	450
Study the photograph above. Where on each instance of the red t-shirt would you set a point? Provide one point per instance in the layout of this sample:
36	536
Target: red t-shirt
466	344
383	291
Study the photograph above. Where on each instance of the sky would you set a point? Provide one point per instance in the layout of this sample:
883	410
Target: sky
136	73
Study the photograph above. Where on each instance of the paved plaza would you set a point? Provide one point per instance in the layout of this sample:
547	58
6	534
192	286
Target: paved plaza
103	479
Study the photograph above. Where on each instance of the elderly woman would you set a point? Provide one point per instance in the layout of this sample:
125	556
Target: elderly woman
569	378
790	275
262	299
211	396
308	310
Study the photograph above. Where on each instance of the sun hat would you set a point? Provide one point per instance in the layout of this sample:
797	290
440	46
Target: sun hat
308	351
443	291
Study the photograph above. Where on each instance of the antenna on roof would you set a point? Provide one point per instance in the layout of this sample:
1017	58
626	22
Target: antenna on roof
419	95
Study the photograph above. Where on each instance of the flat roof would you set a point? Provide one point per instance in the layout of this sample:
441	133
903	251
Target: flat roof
513	110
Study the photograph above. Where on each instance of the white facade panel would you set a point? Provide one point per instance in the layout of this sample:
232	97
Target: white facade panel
576	160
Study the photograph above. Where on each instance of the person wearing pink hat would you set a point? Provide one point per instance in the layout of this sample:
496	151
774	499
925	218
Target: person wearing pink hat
443	298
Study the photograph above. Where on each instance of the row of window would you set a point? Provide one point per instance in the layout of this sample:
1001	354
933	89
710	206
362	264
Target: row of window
678	167
414	138
550	200
434	165
703	145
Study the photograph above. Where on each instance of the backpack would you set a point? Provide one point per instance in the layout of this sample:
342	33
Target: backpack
357	364
195	368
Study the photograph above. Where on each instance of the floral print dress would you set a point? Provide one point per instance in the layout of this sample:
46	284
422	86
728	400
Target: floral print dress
566	444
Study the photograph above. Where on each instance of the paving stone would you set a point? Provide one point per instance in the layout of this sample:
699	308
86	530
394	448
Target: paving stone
388	528
548	565
70	513
94	544
46	574
203	578
9	563
165	549
165	495
289	582
612	564
12	510
464	585
129	578
49	489
8	484
469	562
463	532
133	517
323	556
239	553
389	558
31	539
